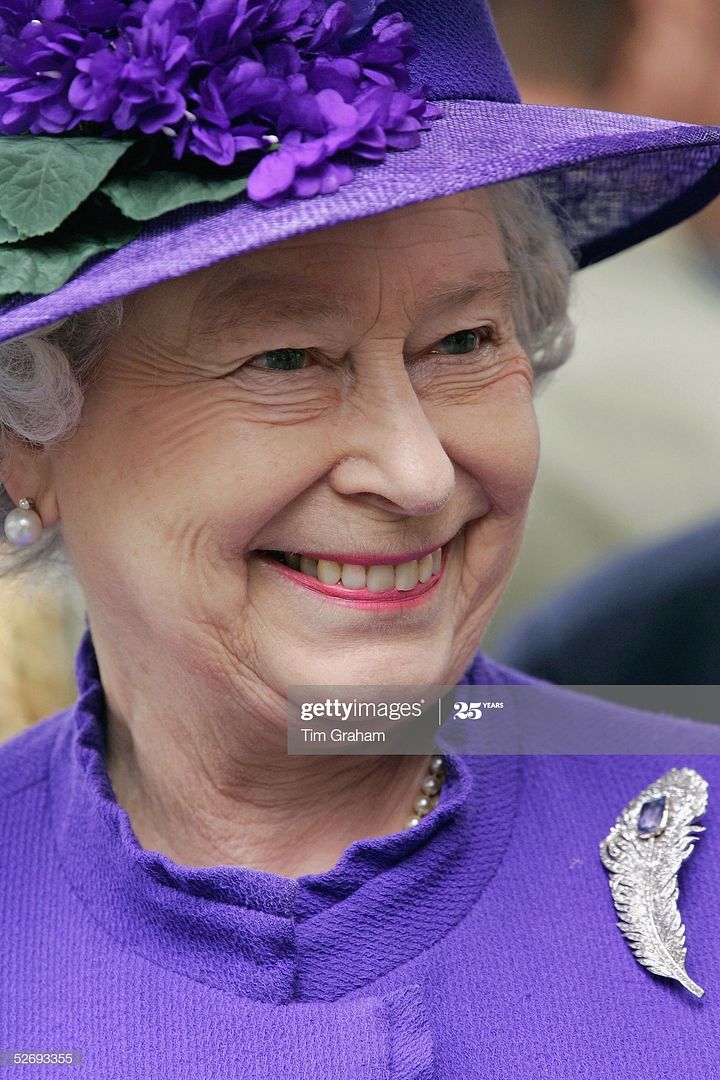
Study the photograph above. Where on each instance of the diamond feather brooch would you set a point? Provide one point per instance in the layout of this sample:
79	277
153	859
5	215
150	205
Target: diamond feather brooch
643	852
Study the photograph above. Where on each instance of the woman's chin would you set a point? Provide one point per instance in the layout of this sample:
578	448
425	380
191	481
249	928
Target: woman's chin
383	663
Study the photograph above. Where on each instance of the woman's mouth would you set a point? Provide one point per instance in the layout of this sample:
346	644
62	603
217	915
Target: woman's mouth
373	583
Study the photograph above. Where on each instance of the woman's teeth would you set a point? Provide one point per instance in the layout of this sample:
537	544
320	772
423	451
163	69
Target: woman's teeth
403	577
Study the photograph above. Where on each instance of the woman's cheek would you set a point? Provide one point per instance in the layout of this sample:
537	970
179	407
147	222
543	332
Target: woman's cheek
497	441
514	472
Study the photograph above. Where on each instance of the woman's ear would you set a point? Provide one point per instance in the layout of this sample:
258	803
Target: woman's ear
26	473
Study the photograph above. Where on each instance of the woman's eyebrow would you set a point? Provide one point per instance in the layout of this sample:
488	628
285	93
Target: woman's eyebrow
496	285
248	299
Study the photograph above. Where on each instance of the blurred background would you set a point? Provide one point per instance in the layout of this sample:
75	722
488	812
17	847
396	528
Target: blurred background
40	628
619	578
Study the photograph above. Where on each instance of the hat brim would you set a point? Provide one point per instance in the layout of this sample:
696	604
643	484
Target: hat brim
614	179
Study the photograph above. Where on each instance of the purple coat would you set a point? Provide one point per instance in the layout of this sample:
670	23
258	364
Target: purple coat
480	944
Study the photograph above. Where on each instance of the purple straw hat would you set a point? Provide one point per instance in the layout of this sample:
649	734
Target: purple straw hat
277	117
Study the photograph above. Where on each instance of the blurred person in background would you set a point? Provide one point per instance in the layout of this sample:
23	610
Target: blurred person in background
648	617
631	427
38	633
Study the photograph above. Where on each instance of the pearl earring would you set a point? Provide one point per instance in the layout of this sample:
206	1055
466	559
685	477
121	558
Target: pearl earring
23	525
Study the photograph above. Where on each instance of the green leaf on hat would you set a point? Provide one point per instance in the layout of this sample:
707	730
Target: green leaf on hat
8	234
44	178
64	200
40	268
143	197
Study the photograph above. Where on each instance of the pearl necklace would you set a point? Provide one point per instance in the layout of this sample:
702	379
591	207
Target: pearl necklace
431	787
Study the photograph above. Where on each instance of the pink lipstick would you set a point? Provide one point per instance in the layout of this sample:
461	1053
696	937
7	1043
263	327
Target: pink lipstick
361	598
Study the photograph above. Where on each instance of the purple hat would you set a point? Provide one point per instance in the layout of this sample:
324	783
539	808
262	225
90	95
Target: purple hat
141	141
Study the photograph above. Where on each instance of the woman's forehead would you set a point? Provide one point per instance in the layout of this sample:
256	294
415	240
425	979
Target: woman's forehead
426	246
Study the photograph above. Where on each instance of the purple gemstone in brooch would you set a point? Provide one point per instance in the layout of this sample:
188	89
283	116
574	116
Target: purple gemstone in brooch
653	816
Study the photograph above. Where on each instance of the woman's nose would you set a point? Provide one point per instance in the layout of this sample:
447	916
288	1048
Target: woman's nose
388	451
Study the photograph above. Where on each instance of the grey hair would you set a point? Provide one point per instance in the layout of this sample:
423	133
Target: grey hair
45	373
537	253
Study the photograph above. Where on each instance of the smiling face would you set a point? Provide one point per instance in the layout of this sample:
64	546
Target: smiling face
357	392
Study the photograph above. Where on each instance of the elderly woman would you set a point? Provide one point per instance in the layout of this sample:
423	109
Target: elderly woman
285	434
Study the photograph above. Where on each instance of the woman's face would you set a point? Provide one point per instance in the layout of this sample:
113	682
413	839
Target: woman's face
357	391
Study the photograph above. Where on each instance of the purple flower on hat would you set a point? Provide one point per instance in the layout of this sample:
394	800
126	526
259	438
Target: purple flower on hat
218	78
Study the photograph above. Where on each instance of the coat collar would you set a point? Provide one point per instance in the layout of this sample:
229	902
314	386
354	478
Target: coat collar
261	935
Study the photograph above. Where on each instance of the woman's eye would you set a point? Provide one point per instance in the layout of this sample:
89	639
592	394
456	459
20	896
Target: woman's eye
465	341
281	359
459	343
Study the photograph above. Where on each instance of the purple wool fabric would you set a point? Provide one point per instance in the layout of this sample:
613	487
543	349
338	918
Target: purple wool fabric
480	944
